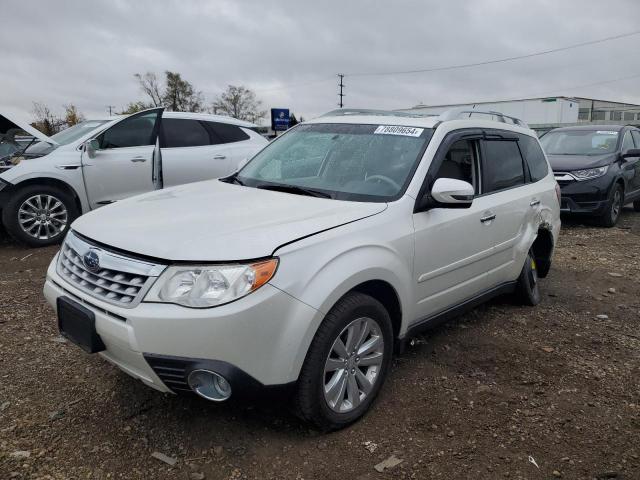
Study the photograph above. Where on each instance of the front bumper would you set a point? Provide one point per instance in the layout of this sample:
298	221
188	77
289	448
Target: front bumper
254	340
586	197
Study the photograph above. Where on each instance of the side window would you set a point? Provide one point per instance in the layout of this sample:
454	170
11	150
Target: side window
179	132
227	133
130	132
502	165
534	157
459	163
636	137
627	142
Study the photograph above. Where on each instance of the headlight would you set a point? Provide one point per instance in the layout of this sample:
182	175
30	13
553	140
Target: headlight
210	285
589	173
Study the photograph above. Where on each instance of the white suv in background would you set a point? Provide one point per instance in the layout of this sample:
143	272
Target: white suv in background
333	245
101	161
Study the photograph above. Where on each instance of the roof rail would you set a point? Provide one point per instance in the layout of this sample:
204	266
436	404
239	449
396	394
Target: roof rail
455	113
364	111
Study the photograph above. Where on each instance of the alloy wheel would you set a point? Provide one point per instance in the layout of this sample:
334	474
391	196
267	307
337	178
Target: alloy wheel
616	205
42	216
353	365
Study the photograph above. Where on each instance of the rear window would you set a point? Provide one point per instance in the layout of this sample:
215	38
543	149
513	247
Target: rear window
534	156
502	164
226	133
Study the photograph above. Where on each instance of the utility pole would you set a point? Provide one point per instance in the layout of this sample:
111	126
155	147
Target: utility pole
341	85
110	107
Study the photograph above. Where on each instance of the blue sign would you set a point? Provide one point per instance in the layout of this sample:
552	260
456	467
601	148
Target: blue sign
279	119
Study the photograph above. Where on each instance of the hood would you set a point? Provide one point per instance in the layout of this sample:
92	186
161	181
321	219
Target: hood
9	127
566	163
215	221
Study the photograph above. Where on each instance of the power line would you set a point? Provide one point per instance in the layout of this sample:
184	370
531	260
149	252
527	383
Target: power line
499	60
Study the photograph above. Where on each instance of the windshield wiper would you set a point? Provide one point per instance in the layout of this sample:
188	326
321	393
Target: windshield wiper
293	189
232	179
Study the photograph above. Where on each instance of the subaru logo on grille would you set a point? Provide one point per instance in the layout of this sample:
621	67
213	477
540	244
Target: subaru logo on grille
91	260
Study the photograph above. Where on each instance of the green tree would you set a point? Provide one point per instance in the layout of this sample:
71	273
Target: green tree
72	116
176	94
135	107
180	96
239	102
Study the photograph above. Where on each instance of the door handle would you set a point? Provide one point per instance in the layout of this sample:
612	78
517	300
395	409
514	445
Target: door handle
534	202
138	159
219	157
488	218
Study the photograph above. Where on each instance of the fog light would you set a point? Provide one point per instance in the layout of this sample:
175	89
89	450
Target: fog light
209	385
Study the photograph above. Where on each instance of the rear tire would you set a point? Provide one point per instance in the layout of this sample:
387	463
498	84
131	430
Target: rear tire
614	207
527	289
39	215
336	389
636	205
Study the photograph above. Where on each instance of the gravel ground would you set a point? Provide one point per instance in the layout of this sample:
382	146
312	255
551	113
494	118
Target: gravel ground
479	398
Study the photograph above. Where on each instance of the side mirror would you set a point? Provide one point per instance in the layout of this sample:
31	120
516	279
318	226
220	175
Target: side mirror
631	153
91	147
452	193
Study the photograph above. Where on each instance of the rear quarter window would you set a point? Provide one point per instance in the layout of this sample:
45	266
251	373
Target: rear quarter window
227	133
534	157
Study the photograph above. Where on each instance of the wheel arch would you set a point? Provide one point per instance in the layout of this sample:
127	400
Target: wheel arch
51	182
543	250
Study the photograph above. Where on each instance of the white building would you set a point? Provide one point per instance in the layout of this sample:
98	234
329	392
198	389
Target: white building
543	114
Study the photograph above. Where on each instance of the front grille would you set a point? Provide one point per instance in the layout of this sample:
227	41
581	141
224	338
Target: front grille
113	278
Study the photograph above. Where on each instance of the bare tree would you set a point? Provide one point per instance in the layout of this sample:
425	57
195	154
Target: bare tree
239	102
45	121
150	85
72	116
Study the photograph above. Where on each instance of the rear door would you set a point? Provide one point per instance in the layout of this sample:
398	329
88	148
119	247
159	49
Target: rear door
510	205
195	150
123	164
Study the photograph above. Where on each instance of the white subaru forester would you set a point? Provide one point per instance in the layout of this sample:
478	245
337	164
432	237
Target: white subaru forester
307	268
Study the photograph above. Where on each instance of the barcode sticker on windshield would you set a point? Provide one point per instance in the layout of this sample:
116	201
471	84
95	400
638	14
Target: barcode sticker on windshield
607	132
398	130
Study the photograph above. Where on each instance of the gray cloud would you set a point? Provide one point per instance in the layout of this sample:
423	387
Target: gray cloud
87	52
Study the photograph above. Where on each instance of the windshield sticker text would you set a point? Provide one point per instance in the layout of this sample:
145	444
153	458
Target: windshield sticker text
398	130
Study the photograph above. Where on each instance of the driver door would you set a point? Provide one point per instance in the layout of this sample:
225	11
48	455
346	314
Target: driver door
123	163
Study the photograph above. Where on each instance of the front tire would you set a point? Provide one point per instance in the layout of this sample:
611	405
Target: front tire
527	289
346	364
39	215
610	217
636	205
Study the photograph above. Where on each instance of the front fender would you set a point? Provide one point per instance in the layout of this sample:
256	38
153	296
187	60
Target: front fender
71	178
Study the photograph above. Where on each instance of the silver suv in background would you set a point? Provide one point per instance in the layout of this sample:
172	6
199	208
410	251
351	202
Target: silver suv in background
98	162
304	270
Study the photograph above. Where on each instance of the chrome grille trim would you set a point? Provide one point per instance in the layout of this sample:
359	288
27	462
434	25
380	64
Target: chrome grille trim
119	280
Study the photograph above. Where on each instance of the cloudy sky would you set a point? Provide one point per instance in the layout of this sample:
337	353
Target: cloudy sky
289	52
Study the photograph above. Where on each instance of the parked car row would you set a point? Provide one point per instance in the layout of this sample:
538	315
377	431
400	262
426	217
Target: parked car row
98	162
308	267
597	168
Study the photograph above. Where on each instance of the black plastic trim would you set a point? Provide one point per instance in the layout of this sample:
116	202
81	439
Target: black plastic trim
433	321
174	371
